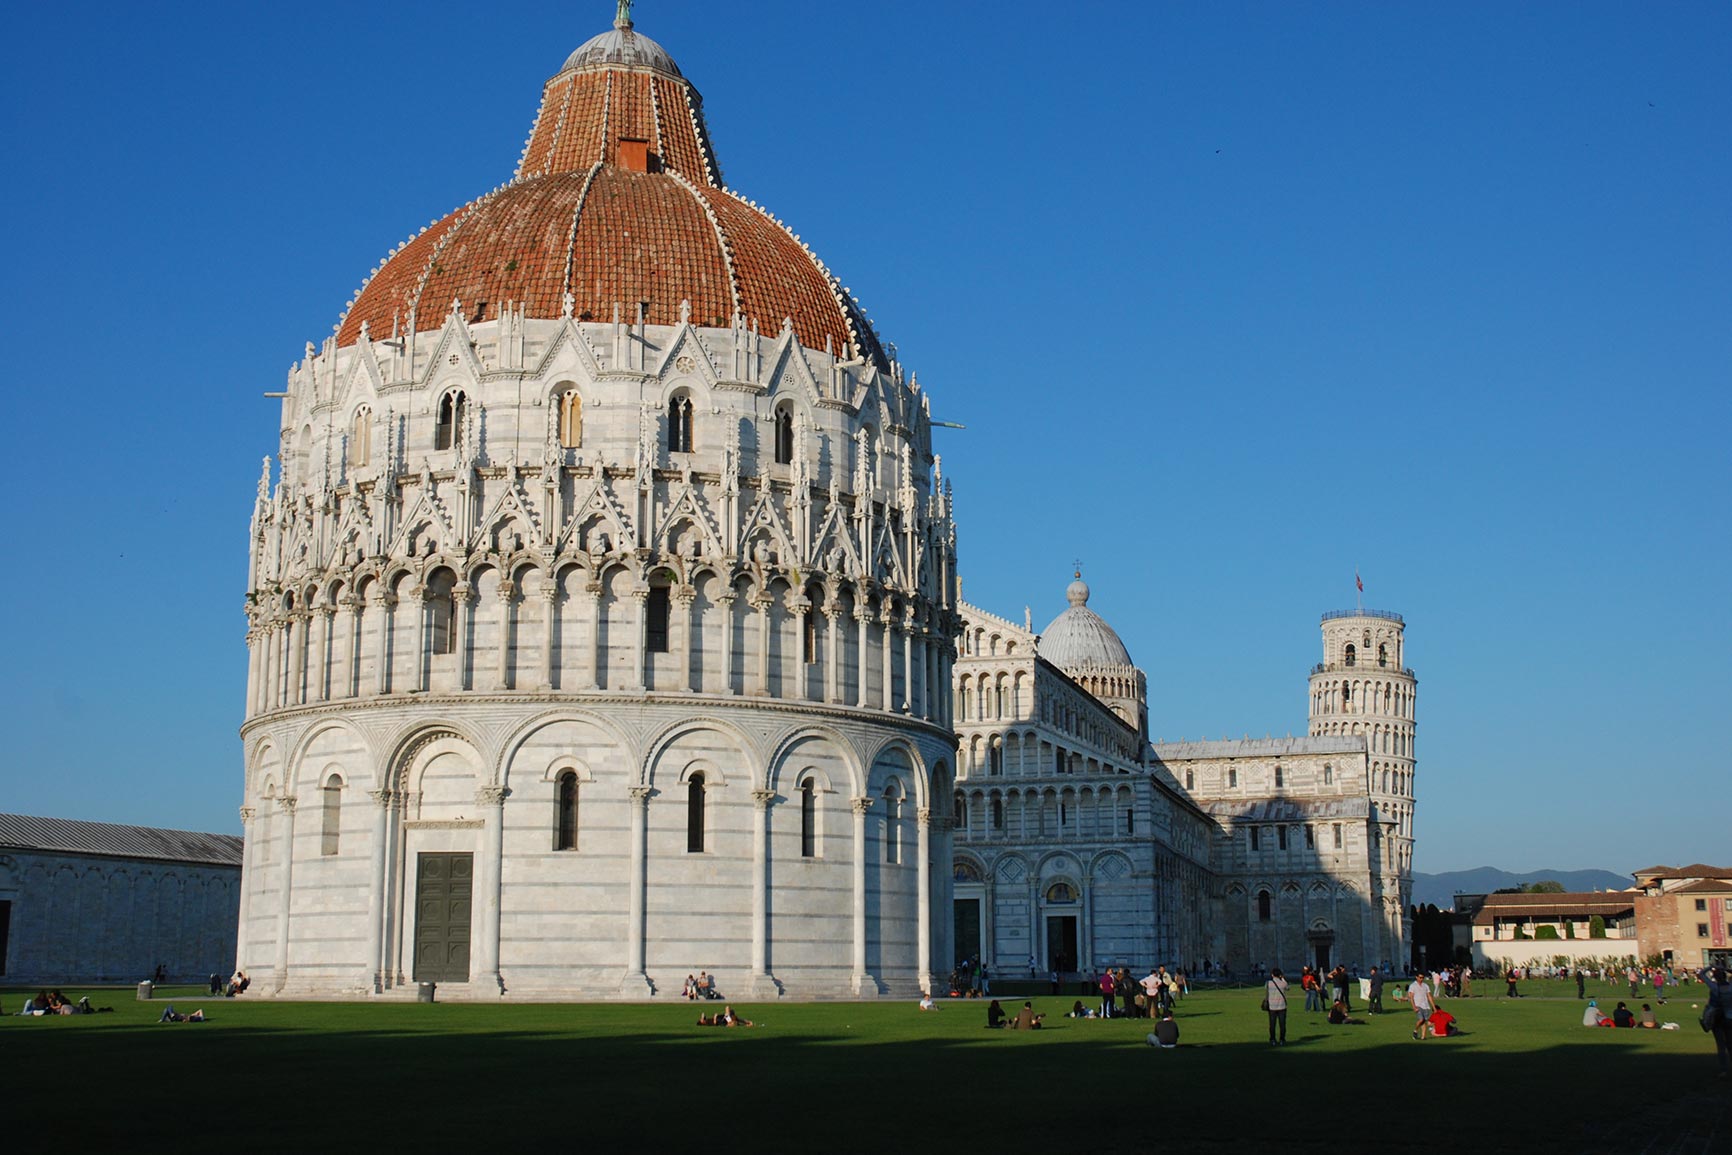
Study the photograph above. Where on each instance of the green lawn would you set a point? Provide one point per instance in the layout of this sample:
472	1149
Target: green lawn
848	1076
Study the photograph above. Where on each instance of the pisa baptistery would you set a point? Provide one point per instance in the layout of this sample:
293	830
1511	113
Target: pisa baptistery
599	612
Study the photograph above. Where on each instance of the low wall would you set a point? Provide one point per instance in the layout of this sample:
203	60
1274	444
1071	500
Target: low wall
1491	953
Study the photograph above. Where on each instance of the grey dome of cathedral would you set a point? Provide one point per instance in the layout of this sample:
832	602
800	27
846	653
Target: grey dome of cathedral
604	626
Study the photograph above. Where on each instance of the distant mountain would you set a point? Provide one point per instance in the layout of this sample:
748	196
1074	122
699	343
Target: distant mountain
1440	889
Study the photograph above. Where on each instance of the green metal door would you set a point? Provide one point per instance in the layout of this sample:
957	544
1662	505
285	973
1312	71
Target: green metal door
443	886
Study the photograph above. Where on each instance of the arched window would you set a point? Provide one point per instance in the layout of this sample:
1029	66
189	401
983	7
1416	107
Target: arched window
1338	836
565	818
1232	776
1347	695
1382	654
695	814
1352	655
808	819
570	418
361	452
1190	780
1279	781
997	813
997	757
656	613
450	427
680	424
1265	905
1256	838
1328	774
784	434
1061	892
332	813
809	632
892	827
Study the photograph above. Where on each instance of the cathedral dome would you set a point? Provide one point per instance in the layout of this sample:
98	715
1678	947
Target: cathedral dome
617	202
1080	637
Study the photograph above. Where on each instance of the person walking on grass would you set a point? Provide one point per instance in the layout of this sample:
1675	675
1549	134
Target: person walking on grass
1581	984
1275	1002
1376	1005
1419	996
1717	1016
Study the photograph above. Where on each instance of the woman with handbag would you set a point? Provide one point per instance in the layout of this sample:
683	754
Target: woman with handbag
1275	1002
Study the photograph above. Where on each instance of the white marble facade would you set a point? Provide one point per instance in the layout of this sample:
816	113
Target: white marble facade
637	636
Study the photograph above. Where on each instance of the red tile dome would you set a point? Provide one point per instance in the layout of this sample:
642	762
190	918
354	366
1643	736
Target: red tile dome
618	200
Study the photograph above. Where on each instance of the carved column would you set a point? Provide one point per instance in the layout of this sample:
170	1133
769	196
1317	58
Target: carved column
502	675
889	703
636	981
549	596
387	603
802	676
863	618
686	598
597	653
640	678
423	639
864	984
377	971
923	879
352	683
253	683
287	822
762	605
726	601
906	705
491	799
462	626
832	652
327	647
762	984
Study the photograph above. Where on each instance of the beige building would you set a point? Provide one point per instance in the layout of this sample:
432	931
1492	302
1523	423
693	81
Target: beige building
1684	914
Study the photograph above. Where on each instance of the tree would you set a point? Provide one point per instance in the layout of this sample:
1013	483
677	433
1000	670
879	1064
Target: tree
1545	930
1597	927
1545	886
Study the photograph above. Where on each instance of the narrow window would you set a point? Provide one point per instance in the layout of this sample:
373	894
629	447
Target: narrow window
450	427
809	633
1352	655
680	424
361	452
1256	841
695	814
1281	836
1190	780
1346	696
1130	821
1310	839
1338	836
1058	761
892	829
997	760
565	837
571	419
1382	654
959	811
785	435
1232	776
808	820
656	620
1063	815
998	813
1279	783
1701	904
1328	774
1263	906
333	815
441	611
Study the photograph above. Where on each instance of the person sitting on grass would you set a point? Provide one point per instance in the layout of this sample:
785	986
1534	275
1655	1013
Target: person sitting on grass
1621	1016
1591	1016
1078	1011
1166	1033
1026	1019
1442	1024
1648	1019
729	1018
926	1003
994	1016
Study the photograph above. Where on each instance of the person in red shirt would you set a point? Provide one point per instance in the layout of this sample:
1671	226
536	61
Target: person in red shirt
1442	1023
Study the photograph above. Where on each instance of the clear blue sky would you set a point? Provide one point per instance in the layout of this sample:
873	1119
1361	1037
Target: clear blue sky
1232	299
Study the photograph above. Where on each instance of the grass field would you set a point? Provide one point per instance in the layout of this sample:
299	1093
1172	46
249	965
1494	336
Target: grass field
849	1077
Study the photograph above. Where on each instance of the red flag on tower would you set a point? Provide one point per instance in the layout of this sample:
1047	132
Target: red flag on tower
1358	581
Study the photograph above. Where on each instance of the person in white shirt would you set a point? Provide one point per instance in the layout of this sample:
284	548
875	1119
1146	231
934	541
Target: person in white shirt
1419	995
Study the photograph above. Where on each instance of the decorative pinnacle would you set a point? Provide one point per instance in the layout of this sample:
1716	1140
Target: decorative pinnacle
622	18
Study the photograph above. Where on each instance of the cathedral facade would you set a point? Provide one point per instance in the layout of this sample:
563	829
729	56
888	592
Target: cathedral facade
1080	844
599	623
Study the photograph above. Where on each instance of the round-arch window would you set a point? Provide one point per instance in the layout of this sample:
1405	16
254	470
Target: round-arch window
1061	892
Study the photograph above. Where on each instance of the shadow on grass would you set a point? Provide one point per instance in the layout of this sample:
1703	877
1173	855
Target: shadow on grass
436	1078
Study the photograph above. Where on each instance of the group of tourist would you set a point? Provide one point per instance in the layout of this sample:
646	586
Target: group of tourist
702	986
46	1002
1024	1020
1125	997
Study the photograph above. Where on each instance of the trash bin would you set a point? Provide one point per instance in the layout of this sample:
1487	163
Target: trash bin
145	990
424	992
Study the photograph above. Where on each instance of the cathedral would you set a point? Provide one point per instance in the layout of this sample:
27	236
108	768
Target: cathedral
1081	844
604	629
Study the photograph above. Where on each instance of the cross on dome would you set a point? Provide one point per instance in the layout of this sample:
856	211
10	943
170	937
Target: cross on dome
622	17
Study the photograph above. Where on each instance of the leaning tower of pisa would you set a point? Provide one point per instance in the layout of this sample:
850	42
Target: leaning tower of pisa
1363	687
